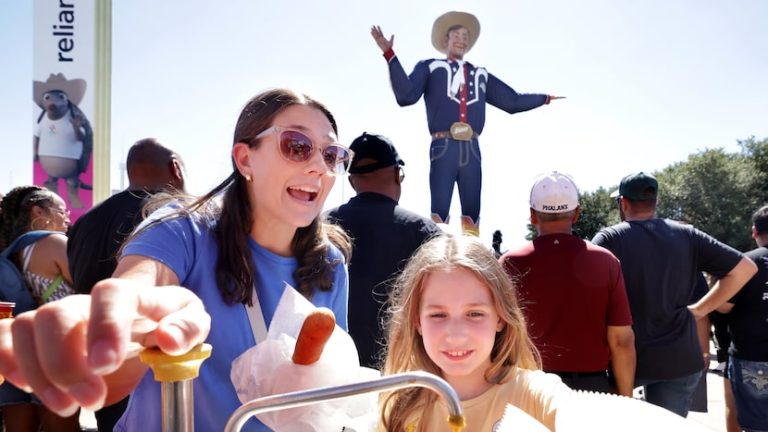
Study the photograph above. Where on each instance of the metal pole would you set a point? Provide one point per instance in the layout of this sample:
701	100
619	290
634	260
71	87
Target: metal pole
176	375
178	411
307	397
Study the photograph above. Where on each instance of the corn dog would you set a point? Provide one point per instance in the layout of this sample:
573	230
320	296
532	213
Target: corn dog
315	332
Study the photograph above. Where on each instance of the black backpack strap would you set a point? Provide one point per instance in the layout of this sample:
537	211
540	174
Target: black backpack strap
25	240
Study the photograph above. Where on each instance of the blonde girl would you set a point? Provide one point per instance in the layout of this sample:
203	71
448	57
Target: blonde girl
455	314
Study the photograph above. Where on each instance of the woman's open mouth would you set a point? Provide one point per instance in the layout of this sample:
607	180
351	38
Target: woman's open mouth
303	193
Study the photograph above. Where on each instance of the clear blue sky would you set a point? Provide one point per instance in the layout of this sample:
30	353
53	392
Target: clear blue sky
648	83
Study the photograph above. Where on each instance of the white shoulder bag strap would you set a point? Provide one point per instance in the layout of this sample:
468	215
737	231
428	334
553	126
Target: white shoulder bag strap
256	317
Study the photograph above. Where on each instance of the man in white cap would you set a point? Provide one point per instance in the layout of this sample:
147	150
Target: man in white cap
455	93
573	295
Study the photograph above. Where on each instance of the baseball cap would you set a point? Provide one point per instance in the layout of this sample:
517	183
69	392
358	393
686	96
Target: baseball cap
376	147
554	193
638	187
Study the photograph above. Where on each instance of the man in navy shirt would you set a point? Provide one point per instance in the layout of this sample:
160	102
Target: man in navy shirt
384	236
455	93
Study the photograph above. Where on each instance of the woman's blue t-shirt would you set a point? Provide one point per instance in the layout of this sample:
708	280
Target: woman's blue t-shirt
187	246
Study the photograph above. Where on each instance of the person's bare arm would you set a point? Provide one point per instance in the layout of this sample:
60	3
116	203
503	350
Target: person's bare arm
621	342
49	258
725	307
725	288
59	244
702	330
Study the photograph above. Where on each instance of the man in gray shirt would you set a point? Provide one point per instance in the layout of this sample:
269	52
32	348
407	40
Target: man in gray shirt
661	260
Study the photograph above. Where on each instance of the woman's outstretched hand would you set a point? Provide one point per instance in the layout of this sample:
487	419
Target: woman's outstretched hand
78	351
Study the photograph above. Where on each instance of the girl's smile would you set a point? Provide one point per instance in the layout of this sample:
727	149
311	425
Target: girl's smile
458	323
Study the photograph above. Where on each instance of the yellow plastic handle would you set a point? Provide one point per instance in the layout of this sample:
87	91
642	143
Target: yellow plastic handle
168	368
457	423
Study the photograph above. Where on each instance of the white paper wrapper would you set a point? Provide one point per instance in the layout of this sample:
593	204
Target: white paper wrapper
515	419
600	412
267	369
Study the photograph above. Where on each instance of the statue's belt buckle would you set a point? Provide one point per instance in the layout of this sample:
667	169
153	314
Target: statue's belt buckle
461	131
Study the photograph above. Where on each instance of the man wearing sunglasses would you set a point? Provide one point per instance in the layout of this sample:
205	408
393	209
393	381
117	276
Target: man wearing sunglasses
384	236
455	93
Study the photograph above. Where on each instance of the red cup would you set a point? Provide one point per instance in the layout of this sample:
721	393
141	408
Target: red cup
6	309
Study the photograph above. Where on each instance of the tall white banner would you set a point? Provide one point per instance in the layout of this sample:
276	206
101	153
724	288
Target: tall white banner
63	92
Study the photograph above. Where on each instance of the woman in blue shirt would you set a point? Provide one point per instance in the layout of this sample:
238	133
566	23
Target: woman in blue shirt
265	232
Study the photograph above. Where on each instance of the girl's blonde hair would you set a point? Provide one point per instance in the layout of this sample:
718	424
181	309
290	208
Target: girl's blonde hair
405	347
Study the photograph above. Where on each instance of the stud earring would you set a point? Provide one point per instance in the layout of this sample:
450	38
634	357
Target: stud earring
248	178
35	223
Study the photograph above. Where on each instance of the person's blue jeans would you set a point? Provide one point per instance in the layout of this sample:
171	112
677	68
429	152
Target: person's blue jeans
457	162
749	381
672	394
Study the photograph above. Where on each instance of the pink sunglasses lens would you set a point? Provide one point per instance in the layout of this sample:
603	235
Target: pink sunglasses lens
295	146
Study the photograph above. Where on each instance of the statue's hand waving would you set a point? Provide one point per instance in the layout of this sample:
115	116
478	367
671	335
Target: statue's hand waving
382	41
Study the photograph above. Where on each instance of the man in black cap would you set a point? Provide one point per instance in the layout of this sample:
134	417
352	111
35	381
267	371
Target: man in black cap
384	236
661	261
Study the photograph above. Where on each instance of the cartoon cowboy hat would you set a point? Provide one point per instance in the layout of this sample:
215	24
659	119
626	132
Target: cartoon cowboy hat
450	19
75	89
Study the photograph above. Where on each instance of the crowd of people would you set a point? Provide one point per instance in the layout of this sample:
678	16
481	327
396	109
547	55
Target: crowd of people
524	327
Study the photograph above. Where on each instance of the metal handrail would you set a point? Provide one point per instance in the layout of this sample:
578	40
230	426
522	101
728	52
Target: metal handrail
308	397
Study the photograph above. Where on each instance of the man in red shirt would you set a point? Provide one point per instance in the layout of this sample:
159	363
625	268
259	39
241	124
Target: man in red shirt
573	295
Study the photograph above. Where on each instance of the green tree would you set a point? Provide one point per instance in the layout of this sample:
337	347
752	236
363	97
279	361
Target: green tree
757	153
712	191
598	210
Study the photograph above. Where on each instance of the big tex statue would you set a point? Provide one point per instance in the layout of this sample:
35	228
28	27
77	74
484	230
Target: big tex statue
455	93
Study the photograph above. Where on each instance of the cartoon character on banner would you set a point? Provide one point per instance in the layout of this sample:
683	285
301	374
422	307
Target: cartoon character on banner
63	139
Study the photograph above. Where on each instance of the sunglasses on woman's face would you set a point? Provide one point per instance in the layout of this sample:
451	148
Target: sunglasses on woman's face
295	146
61	212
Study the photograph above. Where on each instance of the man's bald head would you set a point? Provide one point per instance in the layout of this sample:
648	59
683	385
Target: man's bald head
152	166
